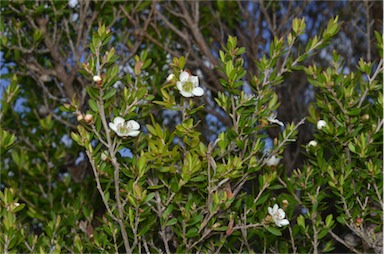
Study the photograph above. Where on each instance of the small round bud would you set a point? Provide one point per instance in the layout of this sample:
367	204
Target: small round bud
285	204
321	124
365	117
96	78
88	118
312	143
359	221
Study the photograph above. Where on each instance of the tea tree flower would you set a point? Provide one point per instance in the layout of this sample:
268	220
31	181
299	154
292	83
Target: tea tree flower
188	85
273	161
312	143
321	124
124	129
278	216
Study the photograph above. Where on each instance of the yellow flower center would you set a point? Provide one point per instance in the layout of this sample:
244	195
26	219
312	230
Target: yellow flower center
188	86
123	128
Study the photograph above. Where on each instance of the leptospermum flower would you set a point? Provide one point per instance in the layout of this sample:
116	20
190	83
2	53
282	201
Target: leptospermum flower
312	143
321	124
125	129
278	215
273	161
188	85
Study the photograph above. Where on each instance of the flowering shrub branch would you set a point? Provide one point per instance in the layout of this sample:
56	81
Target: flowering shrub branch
168	190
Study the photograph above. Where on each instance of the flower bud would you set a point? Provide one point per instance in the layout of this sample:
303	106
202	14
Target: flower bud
358	221
96	78
321	124
88	118
170	77
285	204
312	143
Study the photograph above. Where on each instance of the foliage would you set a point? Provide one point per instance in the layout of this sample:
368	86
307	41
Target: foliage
173	188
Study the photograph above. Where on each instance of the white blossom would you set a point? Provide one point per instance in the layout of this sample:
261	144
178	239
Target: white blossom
72	3
312	143
273	161
188	85
124	129
273	119
278	216
321	124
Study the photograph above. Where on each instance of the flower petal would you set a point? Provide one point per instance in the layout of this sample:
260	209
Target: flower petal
194	80
184	76
118	120
186	94
270	211
179	85
275	208
198	91
283	222
133	133
113	126
133	125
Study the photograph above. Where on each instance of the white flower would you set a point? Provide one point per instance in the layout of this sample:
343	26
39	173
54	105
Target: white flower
321	124
278	216
273	161
124	129
189	85
96	78
273	119
72	3
312	143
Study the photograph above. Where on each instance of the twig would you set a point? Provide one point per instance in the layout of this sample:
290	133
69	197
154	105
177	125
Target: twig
112	152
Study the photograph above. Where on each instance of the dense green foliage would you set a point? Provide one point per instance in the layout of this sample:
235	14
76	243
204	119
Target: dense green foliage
186	183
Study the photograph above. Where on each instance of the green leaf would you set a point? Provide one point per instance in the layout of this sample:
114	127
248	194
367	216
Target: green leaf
329	220
192	232
93	105
149	197
171	222
274	231
155	187
111	92
323	233
351	147
168	211
195	220
301	221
